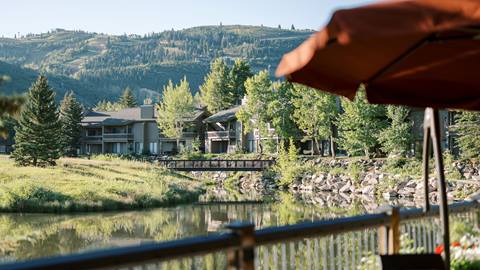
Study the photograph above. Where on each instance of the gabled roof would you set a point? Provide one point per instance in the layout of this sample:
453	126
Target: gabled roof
223	116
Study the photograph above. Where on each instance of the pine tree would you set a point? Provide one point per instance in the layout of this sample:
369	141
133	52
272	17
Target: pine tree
36	139
360	125
127	99
176	105
397	138
467	127
71	114
215	91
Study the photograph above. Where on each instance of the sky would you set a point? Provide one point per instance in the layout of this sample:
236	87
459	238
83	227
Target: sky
146	16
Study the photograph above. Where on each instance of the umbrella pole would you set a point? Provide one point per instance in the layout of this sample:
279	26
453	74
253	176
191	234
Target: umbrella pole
432	126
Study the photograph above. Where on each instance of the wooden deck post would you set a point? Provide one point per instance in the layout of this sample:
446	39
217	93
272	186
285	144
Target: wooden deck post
243	257
389	235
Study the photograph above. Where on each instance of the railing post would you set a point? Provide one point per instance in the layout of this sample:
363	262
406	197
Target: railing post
389	235
243	257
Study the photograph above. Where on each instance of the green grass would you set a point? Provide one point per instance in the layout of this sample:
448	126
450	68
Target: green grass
80	185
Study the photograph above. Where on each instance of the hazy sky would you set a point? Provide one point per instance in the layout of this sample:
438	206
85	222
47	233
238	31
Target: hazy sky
143	16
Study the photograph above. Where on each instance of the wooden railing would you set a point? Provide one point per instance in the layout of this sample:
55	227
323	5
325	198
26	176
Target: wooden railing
227	134
217	165
243	244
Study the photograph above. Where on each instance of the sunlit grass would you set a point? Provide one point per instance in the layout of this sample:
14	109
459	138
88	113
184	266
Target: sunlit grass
91	185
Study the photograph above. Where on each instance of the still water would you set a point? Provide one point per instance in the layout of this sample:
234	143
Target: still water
27	236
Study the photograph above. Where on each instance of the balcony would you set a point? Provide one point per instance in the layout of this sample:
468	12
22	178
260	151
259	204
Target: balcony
92	139
220	135
117	137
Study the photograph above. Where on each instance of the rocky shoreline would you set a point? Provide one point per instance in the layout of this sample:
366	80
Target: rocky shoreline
337	177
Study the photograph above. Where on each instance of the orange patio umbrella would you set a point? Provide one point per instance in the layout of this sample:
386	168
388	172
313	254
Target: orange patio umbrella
423	53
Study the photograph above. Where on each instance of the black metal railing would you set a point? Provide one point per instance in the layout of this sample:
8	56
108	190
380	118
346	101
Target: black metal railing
341	243
217	165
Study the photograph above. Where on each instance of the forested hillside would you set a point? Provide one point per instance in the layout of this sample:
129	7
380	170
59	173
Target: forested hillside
98	66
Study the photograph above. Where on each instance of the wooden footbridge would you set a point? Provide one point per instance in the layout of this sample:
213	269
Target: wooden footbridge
217	165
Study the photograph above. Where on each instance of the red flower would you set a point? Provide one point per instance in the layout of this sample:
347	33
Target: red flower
439	249
456	244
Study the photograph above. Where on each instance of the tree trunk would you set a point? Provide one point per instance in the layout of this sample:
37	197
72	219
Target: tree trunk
318	146
332	146
178	145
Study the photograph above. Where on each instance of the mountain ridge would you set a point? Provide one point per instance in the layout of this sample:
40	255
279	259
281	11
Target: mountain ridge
98	66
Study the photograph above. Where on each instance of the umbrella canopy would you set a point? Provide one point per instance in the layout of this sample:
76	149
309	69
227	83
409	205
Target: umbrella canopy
423	53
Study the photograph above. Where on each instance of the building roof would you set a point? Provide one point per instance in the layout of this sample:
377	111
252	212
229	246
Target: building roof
223	116
127	116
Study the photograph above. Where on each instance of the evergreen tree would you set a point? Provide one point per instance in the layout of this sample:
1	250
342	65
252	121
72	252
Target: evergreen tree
468	129
176	106
239	73
127	99
107	106
397	138
71	114
315	112
36	139
360	125
215	91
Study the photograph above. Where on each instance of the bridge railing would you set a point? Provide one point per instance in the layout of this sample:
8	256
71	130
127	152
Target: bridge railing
217	165
342	243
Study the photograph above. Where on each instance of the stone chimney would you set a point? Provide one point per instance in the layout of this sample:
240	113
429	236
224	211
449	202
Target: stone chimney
146	111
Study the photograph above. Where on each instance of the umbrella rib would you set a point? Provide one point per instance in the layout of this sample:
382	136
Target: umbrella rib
398	59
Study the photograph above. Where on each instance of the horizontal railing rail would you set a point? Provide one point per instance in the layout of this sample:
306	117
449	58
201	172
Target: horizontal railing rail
217	165
241	242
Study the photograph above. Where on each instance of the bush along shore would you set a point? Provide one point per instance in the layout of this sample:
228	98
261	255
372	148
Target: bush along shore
81	185
392	179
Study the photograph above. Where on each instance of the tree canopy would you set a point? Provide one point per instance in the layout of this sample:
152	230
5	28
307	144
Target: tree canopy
360	125
174	109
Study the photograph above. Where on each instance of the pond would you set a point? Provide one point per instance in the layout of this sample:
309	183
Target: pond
27	236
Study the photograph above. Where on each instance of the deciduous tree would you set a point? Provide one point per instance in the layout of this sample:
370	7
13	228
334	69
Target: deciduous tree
175	107
254	114
216	90
315	113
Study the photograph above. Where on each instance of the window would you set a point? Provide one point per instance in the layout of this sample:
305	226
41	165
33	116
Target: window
138	147
153	148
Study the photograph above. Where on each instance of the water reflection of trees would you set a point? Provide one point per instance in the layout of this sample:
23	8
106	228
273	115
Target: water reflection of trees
25	236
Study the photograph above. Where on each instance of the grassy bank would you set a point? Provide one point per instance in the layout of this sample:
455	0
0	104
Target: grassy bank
80	185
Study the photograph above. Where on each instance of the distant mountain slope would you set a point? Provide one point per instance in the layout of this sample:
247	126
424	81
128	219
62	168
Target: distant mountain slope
100	66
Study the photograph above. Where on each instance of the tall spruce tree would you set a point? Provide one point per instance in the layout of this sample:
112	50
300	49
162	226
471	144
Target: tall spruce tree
360	125
71	114
216	90
467	127
36	138
127	99
396	139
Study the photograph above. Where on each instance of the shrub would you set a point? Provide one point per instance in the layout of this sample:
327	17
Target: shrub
287	165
